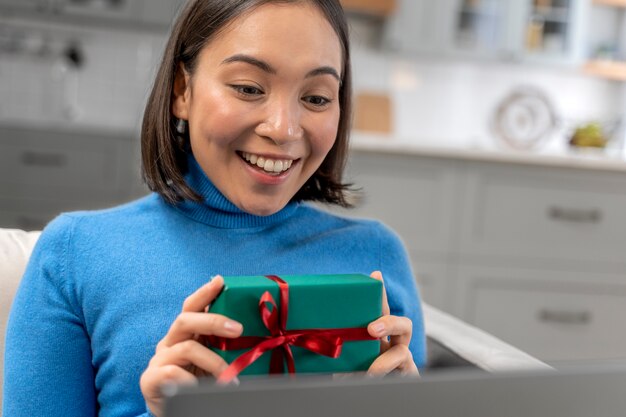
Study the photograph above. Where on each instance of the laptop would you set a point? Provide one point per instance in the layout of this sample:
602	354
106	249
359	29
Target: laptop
583	391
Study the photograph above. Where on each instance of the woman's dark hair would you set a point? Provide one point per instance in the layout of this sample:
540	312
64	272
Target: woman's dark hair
164	159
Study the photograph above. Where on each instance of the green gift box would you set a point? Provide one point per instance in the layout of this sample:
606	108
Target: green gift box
322	310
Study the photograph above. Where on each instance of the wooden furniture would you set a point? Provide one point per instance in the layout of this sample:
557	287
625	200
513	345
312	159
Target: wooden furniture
380	8
610	69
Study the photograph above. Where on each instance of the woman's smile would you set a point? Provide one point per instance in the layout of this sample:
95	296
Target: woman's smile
267	170
269	165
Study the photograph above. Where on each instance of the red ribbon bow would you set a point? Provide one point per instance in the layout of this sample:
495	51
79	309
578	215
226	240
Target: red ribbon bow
327	342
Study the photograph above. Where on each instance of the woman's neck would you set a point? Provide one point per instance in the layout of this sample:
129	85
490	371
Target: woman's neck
216	210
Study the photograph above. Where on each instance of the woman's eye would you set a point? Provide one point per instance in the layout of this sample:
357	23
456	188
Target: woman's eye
247	90
317	101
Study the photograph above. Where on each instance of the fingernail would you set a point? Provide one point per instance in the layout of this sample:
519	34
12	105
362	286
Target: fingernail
232	325
379	327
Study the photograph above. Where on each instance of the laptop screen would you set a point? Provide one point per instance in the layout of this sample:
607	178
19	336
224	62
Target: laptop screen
596	391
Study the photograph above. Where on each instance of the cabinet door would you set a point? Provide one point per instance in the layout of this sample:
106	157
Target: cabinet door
415	27
520	30
552	30
414	196
553	315
432	281
35	213
123	10
28	5
64	166
544	215
160	11
481	27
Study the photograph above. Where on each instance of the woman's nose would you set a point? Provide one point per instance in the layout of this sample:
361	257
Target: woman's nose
282	123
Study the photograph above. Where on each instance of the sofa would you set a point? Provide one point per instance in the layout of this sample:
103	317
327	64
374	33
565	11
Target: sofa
451	342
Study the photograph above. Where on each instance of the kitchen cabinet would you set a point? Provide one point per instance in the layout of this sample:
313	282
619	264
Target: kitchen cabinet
154	15
414	27
160	11
45	172
423	198
606	58
27	5
431	281
424	195
484	27
528	30
555	315
531	253
558	214
104	10
119	10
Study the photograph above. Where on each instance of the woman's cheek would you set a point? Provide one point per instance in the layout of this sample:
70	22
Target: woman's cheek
224	124
327	133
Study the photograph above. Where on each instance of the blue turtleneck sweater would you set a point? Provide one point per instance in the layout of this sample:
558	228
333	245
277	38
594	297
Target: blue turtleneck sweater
102	288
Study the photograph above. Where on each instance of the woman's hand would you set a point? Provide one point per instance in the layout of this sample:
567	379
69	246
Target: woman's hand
395	334
180	356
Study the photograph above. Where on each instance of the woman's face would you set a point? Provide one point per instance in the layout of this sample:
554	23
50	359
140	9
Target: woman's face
263	104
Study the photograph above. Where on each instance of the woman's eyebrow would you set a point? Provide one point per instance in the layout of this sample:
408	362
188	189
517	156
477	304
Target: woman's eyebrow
250	60
324	70
264	66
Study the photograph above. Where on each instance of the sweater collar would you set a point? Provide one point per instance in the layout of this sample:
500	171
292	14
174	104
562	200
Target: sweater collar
216	210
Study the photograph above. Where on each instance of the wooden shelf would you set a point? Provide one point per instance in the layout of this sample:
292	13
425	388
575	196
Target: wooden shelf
381	8
614	3
612	70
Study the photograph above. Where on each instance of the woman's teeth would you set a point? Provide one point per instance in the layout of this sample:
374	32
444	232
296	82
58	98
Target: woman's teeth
274	166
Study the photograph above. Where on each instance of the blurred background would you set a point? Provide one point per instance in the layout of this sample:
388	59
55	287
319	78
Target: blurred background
488	133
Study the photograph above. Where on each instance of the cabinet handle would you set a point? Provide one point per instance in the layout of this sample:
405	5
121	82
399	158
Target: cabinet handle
44	159
565	317
574	215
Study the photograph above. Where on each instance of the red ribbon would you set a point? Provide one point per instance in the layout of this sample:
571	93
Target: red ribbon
327	342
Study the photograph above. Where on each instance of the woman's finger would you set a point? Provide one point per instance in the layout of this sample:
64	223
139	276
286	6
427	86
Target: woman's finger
204	295
189	324
154	377
157	376
398	329
379	276
190	353
397	357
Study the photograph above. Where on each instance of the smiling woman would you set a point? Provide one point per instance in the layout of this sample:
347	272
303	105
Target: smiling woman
247	121
250	58
276	104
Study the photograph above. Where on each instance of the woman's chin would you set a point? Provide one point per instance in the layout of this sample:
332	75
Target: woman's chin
262	208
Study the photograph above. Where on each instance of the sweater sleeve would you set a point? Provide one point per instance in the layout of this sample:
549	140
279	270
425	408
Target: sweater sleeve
47	370
402	292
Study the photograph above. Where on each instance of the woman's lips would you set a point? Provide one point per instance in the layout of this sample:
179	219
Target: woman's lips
270	166
266	170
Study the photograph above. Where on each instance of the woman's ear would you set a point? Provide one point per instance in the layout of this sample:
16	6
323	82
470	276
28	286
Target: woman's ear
181	93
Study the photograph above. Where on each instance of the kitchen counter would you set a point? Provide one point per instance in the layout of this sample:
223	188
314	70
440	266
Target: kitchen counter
586	159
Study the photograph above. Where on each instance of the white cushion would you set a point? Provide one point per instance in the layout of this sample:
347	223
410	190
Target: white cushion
15	249
474	345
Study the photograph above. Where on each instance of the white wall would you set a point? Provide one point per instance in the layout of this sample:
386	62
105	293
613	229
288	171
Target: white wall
108	91
452	103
